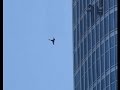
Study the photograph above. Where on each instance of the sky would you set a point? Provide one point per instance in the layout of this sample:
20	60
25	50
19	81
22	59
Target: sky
30	61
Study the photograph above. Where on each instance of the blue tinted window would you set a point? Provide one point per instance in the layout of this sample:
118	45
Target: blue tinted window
113	87
78	86
81	50
75	63
74	38
90	77
112	41
98	68
88	20
82	84
89	41
93	57
93	37
85	24
88	1
106	5
94	88
116	19
94	73
106	60
84	3
78	52
102	84
111	22
102	64
98	86
80	7
106	25
86	81
78	33
107	88
112	57
107	80
82	70
85	66
74	15
89	62
115	39
115	2
77	10
115	54
81	28
112	76
97	33
77	78
85	46
111	3
96	10
97	53
92	16
102	49
101	30
106	45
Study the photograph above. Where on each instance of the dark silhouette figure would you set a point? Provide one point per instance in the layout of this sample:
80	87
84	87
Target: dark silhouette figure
53	40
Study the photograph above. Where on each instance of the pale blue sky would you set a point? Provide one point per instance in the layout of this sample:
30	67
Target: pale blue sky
31	62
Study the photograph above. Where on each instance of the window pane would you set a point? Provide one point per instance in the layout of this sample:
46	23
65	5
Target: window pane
97	33
97	53
88	19
101	30
102	84
93	57
81	28
94	73
98	68
102	49
81	51
112	57
111	22
89	61
90	78
111	3
106	25
107	80
89	41
106	5
106	45
78	52
80	7
84	3
115	39
82	83
112	41
106	60
74	38
77	10
93	37
85	66
98	86
92	16
112	76
116	19
113	86
85	24
78	33
102	64
85	47
86	81
77	77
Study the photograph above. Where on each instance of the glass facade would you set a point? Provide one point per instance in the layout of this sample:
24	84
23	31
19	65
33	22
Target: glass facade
95	44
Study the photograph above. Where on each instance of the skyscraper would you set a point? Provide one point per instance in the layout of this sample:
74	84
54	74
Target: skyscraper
95	44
